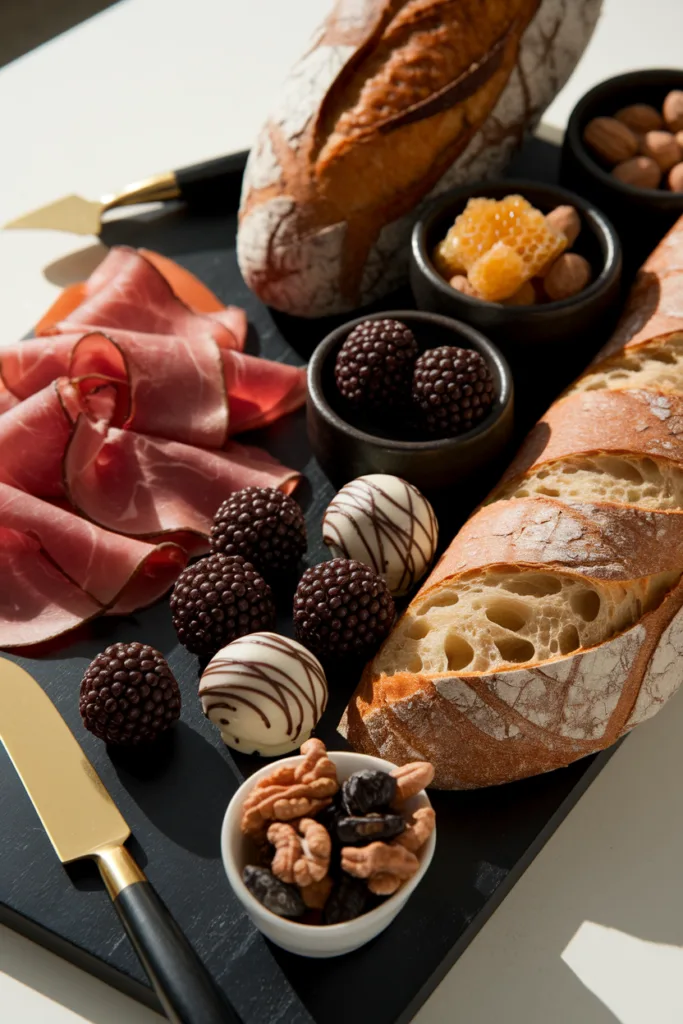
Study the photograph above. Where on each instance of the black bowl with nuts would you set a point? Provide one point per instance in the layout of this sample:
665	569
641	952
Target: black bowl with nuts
623	149
535	337
433	416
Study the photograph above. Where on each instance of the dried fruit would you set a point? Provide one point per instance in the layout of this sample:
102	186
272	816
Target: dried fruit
354	831
129	695
662	148
568	276
673	110
565	220
675	179
348	900
375	363
263	525
342	607
640	118
452	390
367	791
611	140
275	896
639	171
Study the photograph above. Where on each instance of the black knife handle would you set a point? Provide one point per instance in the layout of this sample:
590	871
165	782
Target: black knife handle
213	184
185	988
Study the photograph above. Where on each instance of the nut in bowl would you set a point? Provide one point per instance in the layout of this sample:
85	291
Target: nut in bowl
352	878
553	282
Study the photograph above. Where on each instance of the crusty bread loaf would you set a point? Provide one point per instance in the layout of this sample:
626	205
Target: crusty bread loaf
554	621
395	101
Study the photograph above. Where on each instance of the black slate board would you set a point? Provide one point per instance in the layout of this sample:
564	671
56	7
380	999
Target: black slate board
175	802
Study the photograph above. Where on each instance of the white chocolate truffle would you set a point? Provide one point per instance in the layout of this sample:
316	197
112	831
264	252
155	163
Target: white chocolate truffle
386	523
265	692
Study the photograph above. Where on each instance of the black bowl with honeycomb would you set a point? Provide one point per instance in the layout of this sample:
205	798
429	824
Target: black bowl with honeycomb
532	337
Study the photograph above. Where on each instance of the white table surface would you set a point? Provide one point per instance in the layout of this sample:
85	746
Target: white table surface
593	932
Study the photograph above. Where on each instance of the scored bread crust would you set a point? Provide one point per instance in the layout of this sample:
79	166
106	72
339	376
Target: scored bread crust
594	585
395	101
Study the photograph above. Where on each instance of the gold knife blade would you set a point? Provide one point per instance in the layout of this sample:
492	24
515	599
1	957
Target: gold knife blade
76	810
82	820
84	216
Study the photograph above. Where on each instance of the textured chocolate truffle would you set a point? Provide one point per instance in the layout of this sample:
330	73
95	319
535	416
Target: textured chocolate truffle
265	692
218	599
129	695
452	390
386	523
342	607
263	525
375	365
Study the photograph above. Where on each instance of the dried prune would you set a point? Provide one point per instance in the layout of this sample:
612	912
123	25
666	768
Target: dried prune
356	830
348	900
281	899
368	791
330	815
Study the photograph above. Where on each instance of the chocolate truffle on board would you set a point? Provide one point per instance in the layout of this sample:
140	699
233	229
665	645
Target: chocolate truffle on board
341	608
265	692
386	523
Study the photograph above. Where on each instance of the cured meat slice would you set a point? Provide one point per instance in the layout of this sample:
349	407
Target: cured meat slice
7	399
260	390
33	364
151	487
112	572
126	291
33	437
37	601
179	395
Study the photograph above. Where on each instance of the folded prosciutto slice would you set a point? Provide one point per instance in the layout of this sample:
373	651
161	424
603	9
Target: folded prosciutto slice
115	442
58	569
152	487
128	291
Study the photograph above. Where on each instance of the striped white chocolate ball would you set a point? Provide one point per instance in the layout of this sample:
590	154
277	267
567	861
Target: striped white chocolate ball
386	523
265	692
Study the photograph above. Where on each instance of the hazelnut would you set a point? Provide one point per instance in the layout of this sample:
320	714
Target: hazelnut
640	118
663	148
569	274
610	139
679	139
524	296
675	179
673	110
639	171
566	220
462	284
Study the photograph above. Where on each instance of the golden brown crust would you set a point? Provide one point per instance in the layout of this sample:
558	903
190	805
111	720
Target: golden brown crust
507	723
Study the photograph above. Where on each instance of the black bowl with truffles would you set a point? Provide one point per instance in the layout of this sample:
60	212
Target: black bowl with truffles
624	150
408	393
542	308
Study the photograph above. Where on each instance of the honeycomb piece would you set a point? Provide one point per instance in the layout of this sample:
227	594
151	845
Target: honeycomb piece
512	220
447	258
499	273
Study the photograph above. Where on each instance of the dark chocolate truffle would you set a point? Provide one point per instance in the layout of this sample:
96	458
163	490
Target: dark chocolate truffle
375	364
452	390
263	525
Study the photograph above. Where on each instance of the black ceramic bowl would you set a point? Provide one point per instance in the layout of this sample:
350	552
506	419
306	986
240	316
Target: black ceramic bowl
532	337
641	215
346	448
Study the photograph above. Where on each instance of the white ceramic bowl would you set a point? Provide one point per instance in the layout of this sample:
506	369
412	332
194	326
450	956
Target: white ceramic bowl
306	939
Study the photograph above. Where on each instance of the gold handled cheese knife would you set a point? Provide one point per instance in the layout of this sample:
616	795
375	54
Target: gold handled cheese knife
82	820
211	185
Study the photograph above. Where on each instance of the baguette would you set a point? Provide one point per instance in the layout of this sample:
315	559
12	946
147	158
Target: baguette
554	621
395	101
